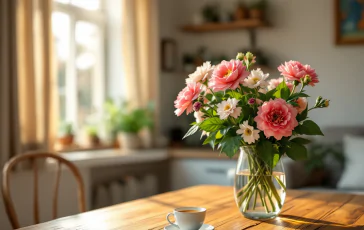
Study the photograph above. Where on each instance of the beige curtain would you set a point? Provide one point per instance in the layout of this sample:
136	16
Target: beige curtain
140	49
36	78
9	133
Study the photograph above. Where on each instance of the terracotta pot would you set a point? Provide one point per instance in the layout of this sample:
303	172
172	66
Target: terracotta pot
66	140
256	14
129	140
93	140
240	13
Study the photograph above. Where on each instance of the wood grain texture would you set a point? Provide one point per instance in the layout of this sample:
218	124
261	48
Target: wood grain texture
302	210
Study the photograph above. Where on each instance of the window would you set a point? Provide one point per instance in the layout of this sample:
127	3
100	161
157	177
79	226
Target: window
78	29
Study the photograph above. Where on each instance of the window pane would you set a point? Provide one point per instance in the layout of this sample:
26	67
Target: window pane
61	32
87	37
87	4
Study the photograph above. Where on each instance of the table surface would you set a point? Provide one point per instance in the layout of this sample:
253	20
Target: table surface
302	210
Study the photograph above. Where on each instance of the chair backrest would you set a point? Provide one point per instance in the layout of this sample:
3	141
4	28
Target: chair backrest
33	156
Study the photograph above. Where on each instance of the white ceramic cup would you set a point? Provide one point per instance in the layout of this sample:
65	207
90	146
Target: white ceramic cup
188	220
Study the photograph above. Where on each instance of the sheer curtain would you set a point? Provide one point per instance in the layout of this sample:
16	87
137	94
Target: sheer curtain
140	51
27	82
36	75
9	132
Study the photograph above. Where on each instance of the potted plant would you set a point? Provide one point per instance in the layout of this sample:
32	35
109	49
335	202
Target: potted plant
257	9
240	12
65	135
131	122
92	136
111	116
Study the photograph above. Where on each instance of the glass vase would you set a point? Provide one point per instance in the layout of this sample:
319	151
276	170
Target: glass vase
259	189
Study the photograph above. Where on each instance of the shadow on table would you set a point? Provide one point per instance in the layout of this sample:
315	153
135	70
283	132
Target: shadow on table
297	222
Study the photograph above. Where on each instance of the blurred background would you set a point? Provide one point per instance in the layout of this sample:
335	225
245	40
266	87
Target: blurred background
95	81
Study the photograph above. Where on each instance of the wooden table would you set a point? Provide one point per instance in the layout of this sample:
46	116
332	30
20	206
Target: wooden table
302	210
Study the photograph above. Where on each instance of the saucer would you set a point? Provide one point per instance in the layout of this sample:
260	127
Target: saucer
203	227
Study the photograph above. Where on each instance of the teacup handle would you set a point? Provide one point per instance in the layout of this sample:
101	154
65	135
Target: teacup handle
168	215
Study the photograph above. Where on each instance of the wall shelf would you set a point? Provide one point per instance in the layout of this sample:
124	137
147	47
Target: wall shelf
235	25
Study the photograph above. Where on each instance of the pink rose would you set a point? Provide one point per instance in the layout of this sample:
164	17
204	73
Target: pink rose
302	104
186	97
228	75
276	118
312	73
292	70
273	83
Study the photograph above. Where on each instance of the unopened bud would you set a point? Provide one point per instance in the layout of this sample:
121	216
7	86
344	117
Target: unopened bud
249	56
240	56
307	80
327	103
197	106
251	101
318	100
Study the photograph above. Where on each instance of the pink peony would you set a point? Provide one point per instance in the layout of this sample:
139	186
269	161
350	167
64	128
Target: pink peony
302	104
312	73
228	75
276	118
292	70
186	97
273	83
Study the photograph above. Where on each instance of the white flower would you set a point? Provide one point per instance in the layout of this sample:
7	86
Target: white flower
202	73
256	78
228	108
198	115
248	133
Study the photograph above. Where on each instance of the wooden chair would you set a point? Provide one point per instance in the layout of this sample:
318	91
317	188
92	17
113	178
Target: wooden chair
9	205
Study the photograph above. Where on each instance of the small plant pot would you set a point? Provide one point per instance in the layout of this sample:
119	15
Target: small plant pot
256	14
129	141
240	14
66	140
93	140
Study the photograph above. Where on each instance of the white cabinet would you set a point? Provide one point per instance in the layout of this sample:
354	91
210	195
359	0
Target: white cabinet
194	171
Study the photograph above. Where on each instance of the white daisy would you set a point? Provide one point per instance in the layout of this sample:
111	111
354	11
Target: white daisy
256	78
228	108
202	73
248	133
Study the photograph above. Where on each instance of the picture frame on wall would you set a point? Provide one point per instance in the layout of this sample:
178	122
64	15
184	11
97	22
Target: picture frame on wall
349	22
169	55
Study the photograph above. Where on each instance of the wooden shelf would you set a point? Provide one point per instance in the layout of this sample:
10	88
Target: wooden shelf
236	25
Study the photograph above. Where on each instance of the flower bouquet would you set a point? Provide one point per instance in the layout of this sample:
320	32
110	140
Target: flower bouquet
236	107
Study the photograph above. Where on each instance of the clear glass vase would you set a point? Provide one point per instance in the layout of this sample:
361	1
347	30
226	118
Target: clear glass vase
259	190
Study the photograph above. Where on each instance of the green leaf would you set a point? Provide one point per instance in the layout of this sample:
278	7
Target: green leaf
246	89
297	95
300	140
296	151
270	94
211	139
191	131
302	116
209	96
308	127
218	96
282	91
276	158
235	94
265	152
212	124
230	145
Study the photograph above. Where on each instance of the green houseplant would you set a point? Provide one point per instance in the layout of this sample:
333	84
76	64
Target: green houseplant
65	134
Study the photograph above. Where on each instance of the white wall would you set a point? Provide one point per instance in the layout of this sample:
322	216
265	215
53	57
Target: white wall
301	30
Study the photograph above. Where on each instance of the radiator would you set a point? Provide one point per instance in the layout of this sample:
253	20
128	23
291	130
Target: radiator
123	190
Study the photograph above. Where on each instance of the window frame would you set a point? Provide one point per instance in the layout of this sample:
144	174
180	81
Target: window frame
98	18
